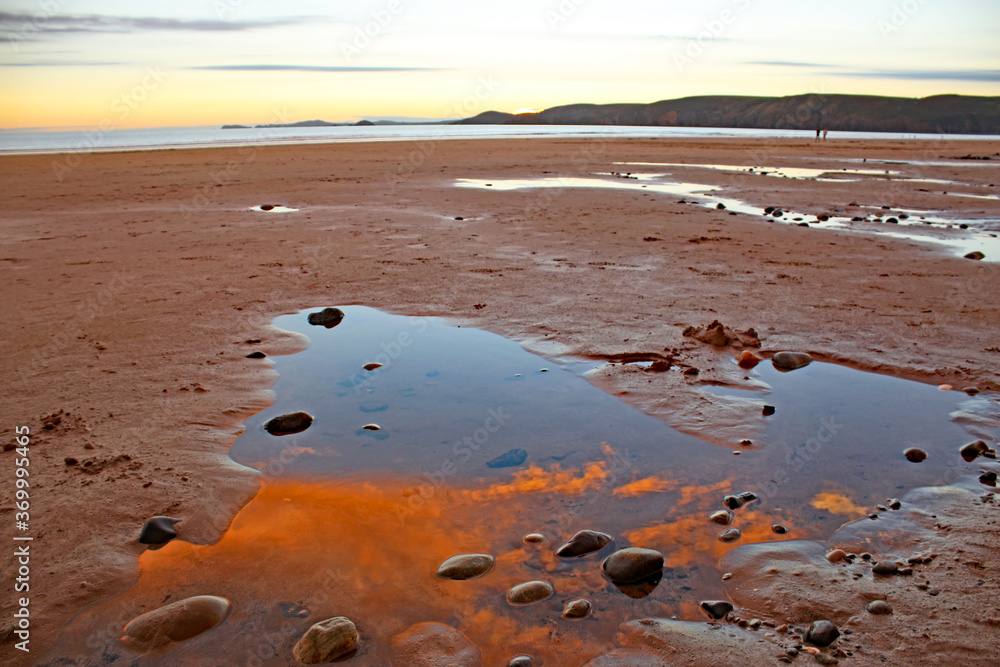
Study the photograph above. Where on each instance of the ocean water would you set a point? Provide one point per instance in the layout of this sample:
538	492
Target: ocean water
84	140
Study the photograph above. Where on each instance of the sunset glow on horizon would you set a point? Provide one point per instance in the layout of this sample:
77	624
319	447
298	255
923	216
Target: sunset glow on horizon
94	63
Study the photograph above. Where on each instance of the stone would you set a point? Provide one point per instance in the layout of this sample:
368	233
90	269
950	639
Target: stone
466	566
885	568
509	459
373	366
583	543
989	478
733	502
731	535
371	427
768	410
632	565
174	623
976	255
915	455
576	609
521	661
878	608
779	529
974	450
748	497
327	641
777	213
256	355
158	530
822	633
328	317
267	207
716	610
434	645
748	359
533	538
790	361
294	422
721	207
530	593
836	556
723	518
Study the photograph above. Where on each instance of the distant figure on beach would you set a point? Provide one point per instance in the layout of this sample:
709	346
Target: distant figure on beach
825	132
817	133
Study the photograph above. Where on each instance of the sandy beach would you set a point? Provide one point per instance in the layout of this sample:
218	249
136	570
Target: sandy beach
136	284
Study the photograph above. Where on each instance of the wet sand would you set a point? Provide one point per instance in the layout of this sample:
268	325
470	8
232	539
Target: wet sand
135	283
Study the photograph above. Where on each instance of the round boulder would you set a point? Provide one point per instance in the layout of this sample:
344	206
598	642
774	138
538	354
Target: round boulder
530	593
294	422
328	317
790	361
175	622
326	641
466	566
631	565
158	530
822	633
576	609
583	543
915	455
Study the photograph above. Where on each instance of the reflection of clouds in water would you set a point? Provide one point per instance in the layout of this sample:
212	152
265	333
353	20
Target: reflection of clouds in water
837	503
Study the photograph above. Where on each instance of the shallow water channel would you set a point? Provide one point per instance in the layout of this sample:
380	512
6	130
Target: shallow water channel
480	443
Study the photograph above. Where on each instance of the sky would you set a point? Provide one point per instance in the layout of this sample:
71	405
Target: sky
123	64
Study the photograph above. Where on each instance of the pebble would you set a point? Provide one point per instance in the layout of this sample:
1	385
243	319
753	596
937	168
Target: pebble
748	497
836	556
175	622
723	518
533	538
530	593
768	410
885	567
583	543
878	607
576	609
894	504
731	535
989	478
822	633
158	530
327	641
521	661
976	255
371	427
267	207
791	361
716	609
915	455
824	659
328	317
372	366
632	564
748	359
732	502
779	529
974	450
466	566
256	355
509	459
295	422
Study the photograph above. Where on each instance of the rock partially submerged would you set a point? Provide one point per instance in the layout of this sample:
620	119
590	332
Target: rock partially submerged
716	609
327	641
719	335
822	633
158	530
294	422
583	543
159	629
529	593
509	459
631	565
466	566
576	609
974	450
328	317
434	645
790	361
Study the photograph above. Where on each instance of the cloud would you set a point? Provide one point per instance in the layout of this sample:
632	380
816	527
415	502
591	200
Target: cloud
310	68
990	75
65	63
786	63
26	27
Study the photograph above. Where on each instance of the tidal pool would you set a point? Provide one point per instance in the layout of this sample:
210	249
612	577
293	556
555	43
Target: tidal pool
481	443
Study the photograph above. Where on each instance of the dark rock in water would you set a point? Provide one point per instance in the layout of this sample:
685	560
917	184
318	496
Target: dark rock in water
768	410
576	609
466	566
459	217
803	224
434	645
632	564
895	504
988	478
892	221
974	450
768	210
878	607
158	530
733	502
777	213
720	207
915	455
731	535
326	641
790	361
328	317
639	590
530	593
514	457
723	518
267	207
822	633
256	355
521	661
885	568
823	217
857	218
976	255
778	529
748	497
295	422
373	366
371	427
583	543
533	538
716	609
174	623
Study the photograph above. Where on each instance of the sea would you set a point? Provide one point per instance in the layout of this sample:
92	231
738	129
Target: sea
90	140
